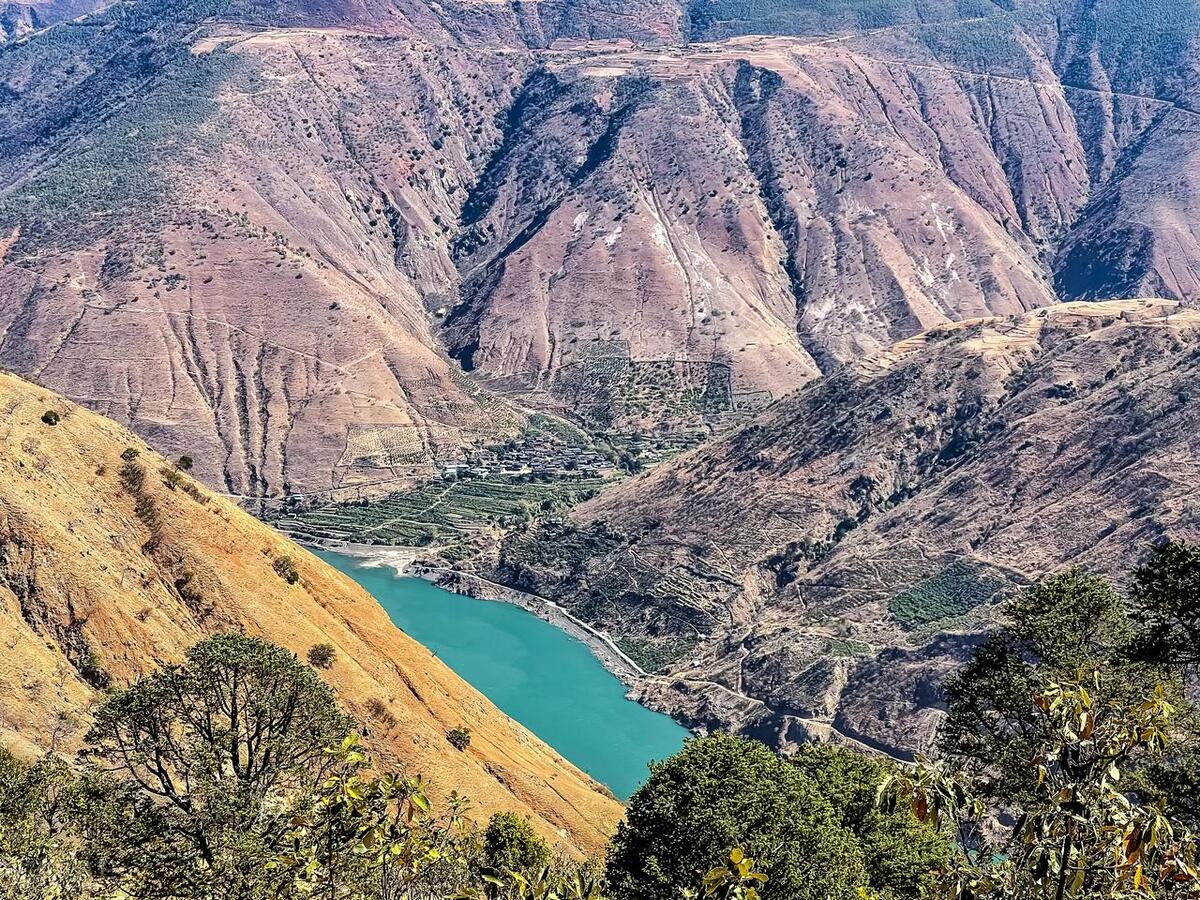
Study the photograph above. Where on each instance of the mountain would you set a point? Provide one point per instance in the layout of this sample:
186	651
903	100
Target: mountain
110	567
333	244
817	572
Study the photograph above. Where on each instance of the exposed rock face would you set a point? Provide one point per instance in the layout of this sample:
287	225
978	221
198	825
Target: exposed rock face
820	570
95	591
323	209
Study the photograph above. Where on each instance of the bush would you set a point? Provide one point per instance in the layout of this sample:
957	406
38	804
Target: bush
184	464
129	454
50	417
460	737
321	656
509	842
722	792
285	568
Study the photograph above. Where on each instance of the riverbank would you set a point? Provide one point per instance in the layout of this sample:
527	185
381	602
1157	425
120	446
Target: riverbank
403	560
603	647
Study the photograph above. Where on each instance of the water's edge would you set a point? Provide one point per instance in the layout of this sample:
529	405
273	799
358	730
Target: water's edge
403	561
524	653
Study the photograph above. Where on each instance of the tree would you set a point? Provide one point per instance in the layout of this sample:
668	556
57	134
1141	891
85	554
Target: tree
39	857
1081	832
1165	602
1065	622
375	837
721	792
211	760
901	853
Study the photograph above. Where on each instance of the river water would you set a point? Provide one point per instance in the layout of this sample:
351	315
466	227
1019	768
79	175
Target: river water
543	678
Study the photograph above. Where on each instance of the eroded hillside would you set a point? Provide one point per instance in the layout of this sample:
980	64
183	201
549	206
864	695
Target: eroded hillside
274	235
111	566
820	570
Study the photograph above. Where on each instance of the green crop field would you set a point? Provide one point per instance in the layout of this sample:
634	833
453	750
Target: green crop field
953	592
439	511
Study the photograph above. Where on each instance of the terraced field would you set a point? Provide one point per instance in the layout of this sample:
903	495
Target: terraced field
439	511
953	592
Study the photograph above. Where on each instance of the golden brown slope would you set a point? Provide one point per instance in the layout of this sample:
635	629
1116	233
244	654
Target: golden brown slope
89	593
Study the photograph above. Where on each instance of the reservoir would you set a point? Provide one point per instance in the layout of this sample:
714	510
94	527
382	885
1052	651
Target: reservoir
539	675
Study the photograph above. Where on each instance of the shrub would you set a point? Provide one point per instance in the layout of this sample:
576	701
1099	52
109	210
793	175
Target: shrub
50	417
321	656
378	711
285	568
509	842
184	464
460	737
129	454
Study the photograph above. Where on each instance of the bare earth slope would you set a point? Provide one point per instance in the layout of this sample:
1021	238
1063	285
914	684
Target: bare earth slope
90	594
819	570
268	234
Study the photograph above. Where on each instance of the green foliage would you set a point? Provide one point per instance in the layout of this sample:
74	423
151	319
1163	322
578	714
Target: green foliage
285	568
50	417
321	656
1083	830
459	737
129	454
1165	604
736	879
374	836
38	853
184	463
212	761
721	792
953	592
510	843
901	854
1068	621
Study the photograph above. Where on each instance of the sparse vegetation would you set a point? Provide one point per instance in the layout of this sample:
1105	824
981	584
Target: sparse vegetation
321	656
285	568
459	737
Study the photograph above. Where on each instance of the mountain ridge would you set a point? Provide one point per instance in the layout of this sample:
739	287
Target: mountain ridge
819	570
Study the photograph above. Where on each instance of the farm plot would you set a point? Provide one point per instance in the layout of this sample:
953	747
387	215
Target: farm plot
439	511
951	593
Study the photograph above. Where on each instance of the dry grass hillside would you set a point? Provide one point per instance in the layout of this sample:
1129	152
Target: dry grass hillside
102	578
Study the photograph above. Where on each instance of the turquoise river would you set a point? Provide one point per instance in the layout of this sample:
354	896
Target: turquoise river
542	677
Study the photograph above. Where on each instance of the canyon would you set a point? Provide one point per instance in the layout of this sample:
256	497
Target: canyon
870	255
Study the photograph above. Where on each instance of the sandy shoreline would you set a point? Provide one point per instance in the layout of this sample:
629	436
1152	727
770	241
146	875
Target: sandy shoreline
403	560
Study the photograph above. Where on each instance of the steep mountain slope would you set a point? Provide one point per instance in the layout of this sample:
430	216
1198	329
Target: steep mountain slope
106	573
820	569
268	233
